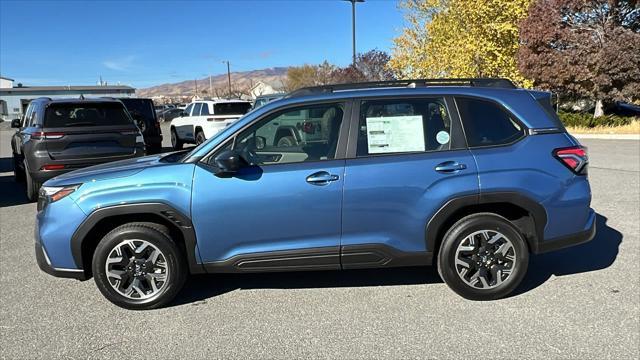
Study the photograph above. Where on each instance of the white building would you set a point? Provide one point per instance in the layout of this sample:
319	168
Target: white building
5	82
14	100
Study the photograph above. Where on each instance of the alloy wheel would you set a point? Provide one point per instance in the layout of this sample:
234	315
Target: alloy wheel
485	259
137	269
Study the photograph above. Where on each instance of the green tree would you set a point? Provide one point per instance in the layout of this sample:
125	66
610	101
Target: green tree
459	38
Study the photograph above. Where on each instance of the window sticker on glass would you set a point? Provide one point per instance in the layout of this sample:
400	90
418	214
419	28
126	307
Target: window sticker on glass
394	134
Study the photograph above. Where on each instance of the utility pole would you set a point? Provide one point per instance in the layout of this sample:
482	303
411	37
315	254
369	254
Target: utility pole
196	83
353	27
228	75
210	87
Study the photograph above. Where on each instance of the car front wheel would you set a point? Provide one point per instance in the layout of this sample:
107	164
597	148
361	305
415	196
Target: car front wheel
483	257
137	266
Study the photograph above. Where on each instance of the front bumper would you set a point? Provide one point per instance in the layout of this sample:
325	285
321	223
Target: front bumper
570	240
45	265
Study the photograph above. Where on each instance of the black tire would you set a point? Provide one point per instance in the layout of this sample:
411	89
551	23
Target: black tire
200	137
33	187
154	149
286	141
176	143
464	228
18	173
156	235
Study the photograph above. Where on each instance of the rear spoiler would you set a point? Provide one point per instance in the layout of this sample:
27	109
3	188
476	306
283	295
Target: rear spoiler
545	100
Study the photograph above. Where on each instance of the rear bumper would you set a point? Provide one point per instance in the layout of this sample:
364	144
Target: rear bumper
45	265
570	240
43	175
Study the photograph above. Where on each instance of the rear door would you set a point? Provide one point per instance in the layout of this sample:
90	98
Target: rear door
89	130
407	158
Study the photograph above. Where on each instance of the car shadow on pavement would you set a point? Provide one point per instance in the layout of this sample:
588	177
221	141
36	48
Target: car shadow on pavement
11	192
201	287
597	254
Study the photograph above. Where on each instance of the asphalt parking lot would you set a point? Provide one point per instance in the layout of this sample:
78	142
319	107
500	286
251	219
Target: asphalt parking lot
581	302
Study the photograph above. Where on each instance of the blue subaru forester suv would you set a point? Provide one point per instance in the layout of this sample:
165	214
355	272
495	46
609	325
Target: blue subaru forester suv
472	175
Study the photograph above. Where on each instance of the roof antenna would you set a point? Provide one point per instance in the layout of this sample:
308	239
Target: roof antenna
81	97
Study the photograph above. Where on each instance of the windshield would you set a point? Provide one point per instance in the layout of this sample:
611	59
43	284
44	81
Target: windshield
231	108
86	114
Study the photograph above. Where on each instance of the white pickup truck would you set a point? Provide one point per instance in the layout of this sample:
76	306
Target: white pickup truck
202	119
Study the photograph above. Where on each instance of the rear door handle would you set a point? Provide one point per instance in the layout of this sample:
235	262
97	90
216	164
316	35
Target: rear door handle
321	178
450	167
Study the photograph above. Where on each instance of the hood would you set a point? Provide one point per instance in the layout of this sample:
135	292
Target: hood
116	169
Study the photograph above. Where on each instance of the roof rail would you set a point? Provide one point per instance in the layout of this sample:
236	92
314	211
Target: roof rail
412	83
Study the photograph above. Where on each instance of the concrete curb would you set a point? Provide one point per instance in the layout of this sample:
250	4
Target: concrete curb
608	136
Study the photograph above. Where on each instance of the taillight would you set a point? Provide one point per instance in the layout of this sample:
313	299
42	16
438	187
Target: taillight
575	158
37	135
50	167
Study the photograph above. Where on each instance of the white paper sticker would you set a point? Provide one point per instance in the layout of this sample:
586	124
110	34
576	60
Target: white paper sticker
392	134
442	137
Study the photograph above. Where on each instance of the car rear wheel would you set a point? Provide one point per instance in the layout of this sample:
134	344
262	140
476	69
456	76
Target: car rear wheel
483	257
176	143
200	137
33	187
138	266
18	173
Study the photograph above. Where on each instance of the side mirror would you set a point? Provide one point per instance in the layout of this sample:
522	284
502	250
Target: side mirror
15	123
184	114
229	162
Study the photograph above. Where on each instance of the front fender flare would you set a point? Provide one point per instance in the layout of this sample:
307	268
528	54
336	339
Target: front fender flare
171	215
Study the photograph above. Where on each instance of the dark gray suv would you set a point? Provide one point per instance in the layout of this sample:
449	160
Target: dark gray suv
61	135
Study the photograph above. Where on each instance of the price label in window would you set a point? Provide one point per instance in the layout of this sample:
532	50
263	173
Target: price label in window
393	134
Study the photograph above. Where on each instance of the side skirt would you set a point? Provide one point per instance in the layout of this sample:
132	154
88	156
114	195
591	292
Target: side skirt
325	258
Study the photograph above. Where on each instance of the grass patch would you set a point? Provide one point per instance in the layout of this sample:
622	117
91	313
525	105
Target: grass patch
632	128
583	123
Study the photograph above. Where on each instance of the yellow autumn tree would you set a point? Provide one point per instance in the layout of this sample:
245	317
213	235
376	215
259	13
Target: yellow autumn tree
459	38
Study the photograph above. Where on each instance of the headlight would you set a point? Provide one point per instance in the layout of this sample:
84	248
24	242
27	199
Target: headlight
49	194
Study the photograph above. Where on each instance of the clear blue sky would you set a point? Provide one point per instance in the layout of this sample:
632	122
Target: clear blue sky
149	43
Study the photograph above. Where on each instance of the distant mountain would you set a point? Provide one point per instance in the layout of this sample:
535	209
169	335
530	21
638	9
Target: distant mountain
239	81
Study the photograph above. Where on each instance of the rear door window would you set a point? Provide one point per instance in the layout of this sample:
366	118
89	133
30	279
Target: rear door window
205	109
86	114
403	126
487	123
196	109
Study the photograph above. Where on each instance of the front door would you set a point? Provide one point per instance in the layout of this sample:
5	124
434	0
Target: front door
283	213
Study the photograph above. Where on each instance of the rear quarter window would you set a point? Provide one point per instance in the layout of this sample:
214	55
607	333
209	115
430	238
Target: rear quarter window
86	114
487	123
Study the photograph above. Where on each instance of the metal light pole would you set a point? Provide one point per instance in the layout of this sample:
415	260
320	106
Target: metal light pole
228	75
353	26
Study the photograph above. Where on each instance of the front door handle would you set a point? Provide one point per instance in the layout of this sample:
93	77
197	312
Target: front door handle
450	167
321	178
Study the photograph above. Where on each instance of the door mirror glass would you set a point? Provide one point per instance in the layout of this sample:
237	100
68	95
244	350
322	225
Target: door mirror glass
15	123
229	162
